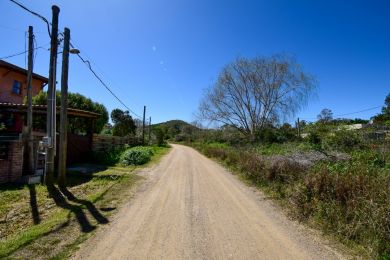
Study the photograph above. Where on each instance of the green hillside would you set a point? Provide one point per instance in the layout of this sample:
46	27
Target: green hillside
175	128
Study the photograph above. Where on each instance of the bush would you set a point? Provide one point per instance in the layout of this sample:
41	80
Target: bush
344	140
160	136
314	138
109	157
137	155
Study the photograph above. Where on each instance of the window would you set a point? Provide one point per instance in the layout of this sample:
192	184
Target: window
17	87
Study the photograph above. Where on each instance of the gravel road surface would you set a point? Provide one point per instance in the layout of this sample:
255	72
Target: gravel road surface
192	208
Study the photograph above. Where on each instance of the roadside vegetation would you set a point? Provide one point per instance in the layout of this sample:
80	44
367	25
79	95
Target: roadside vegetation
38	221
39	224
333	174
345	193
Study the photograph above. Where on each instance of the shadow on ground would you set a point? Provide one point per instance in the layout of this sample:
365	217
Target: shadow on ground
62	196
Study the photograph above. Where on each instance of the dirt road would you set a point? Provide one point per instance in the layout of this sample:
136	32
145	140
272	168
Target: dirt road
192	208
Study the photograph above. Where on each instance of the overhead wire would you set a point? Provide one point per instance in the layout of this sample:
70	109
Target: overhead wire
87	62
346	114
102	72
21	53
34	13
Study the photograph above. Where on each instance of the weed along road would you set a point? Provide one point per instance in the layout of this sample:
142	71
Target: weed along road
191	208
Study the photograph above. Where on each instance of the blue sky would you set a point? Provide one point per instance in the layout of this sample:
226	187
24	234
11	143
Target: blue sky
163	54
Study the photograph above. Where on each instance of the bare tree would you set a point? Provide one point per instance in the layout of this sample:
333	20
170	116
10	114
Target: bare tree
325	115
253	93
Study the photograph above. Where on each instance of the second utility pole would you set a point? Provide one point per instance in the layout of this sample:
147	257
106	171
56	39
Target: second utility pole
64	113
143	127
29	137
51	101
150	129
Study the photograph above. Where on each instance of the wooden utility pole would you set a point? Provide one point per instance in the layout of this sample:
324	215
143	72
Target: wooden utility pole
51	100
299	128
150	129
143	127
64	113
29	137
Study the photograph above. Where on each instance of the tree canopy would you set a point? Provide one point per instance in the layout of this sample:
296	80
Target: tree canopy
384	117
78	101
253	93
124	124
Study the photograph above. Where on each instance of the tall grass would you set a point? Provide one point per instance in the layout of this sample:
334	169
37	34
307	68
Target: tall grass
349	199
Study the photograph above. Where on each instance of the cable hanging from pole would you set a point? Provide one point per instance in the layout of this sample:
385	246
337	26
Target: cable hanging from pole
346	114
34	13
103	83
81	58
20	53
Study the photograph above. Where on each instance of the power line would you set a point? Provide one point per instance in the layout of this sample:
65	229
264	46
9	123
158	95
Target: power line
81	58
102	73
364	110
16	29
34	13
346	114
88	63
21	53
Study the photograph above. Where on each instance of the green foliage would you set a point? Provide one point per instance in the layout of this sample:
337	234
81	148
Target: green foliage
137	155
285	133
350	198
344	140
176	129
123	123
384	117
107	129
77	101
160	136
110	157
315	139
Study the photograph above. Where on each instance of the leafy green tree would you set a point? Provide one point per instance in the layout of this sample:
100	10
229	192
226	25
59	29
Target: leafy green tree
123	123
160	135
77	101
384	117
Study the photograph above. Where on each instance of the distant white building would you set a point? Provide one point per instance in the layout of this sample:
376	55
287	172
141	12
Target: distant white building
351	127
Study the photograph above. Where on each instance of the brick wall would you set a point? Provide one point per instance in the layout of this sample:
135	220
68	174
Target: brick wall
6	82
102	143
11	168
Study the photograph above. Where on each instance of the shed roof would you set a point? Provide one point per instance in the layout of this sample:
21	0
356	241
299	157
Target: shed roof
22	108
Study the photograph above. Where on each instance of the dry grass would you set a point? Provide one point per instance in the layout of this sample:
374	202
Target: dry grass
348	199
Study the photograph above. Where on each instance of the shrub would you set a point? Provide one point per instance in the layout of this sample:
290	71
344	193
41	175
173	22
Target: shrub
160	136
109	157
314	138
137	155
344	140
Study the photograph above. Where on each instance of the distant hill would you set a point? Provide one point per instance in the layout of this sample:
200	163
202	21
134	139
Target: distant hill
172	128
